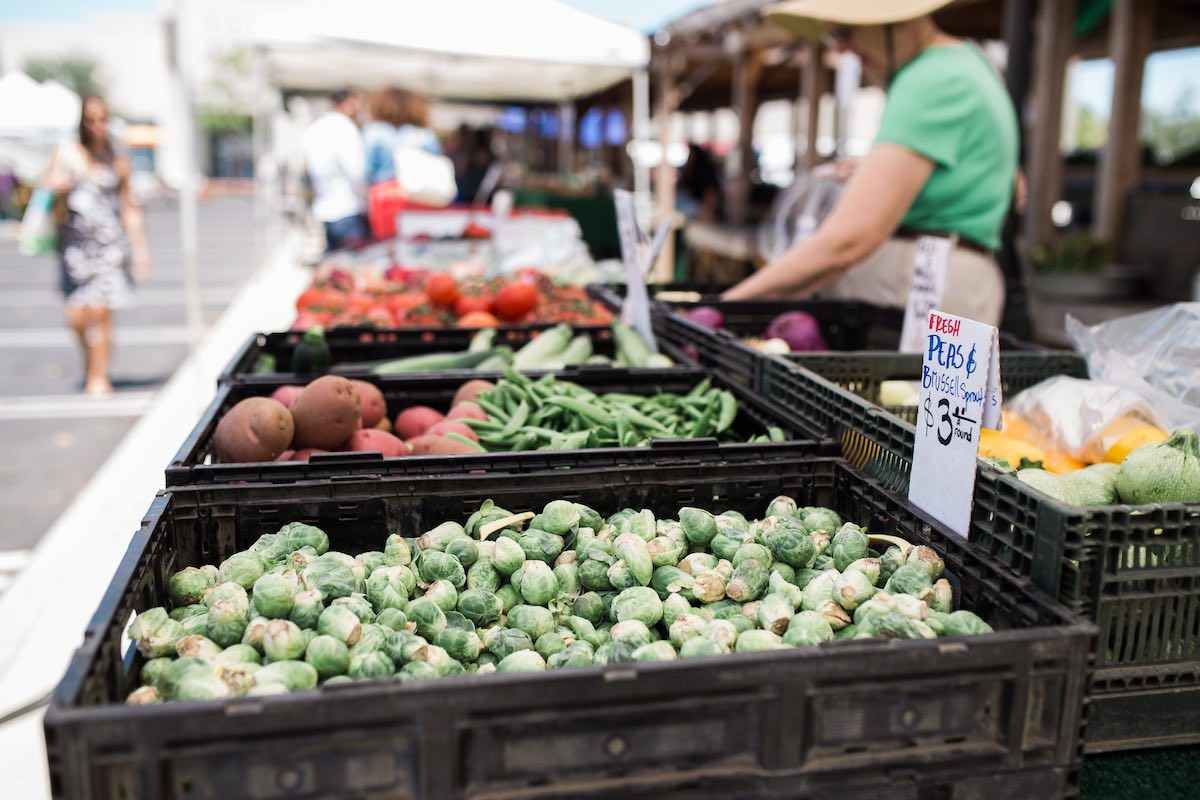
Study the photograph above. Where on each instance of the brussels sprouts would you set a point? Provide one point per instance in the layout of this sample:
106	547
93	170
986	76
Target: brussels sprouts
434	565
444	594
868	567
143	696
579	654
532	620
242	568
655	651
553	642
463	549
892	559
227	591
943	596
590	606
439	537
756	641
806	576
640	603
522	661
560	516
227	621
892	625
807	629
402	647
427	616
330	575
724	568
200	686
253	635
598	551
834	614
633	551
782	506
153	669
698	525
301	535
642	525
328	656
783	570
196	625
818	590
341	623
480	606
299	559
879	602
566	576
537	584
460	645
686	627
699	647
197	647
238	654
387	588
615	652
632	631
509	597
708	586
669	580
588	518
437	657
359	605
501	642
722	631
851	589
749	581
583	630
695	563
156	633
371	561
774	613
665	551
593	576
616	519
187	612
926	557
911	607
306	609
187	587
274	595
283	641
964	623
371	665
848	545
820	540
418	670
482	575
726	543
909	579
396	551
372	638
487	512
540	545
173	674
777	584
508	556
852	631
675	605
754	551
820	519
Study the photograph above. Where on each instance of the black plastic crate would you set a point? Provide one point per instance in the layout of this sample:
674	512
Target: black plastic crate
1134	570
972	717
191	464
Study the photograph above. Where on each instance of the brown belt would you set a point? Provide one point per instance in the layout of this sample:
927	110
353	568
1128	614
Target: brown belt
963	242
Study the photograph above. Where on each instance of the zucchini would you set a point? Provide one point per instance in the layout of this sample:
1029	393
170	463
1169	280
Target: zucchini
631	347
546	347
428	362
311	356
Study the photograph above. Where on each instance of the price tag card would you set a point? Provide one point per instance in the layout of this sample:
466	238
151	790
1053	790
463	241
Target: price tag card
636	309
930	265
960	393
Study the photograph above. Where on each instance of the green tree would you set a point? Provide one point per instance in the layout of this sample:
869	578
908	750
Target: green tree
1091	132
1173	134
77	73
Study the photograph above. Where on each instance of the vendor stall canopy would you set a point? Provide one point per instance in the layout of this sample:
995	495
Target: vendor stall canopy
515	51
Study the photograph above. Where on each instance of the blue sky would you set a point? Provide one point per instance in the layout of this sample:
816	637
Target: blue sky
1168	75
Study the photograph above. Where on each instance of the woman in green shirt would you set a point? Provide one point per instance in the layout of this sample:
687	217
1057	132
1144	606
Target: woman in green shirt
943	164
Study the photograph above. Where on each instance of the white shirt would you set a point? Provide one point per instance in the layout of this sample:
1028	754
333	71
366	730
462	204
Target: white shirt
333	152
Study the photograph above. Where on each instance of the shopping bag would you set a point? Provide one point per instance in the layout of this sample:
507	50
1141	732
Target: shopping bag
39	233
425	178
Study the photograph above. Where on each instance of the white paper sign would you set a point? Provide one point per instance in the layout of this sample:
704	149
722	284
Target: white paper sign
636	309
930	266
960	393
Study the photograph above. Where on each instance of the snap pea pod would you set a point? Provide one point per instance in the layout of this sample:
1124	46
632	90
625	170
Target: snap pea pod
496	412
704	425
728	412
582	409
517	420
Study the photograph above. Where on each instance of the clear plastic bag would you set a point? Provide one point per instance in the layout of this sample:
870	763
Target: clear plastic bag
797	211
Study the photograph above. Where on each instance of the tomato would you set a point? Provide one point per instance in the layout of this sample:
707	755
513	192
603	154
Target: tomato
400	302
515	301
478	319
311	297
466	305
442	289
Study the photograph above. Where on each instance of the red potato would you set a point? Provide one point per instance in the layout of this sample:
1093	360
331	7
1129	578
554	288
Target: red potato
370	403
302	455
467	410
286	455
371	439
286	394
326	413
453	426
429	445
384	425
470	390
414	421
256	429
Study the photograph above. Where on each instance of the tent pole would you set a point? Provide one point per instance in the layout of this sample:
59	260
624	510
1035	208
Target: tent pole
566	138
188	213
640	130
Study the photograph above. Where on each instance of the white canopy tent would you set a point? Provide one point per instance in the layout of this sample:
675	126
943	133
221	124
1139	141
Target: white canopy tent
34	117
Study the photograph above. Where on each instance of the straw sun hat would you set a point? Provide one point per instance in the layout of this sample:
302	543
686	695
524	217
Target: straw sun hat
804	17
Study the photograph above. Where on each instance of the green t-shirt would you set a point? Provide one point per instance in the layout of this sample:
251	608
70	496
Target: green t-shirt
949	105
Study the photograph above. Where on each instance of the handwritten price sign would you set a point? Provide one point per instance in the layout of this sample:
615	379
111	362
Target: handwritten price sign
960	392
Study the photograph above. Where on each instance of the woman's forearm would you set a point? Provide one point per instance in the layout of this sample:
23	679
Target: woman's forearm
794	273
135	228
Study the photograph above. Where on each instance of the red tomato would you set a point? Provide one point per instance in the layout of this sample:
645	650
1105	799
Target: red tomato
478	319
515	301
466	305
310	297
442	289
400	302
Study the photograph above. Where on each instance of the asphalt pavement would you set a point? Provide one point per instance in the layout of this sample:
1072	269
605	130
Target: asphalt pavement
54	438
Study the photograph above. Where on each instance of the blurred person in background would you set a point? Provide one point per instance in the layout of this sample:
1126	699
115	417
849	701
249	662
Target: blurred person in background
336	161
386	107
101	238
476	160
414	130
698	193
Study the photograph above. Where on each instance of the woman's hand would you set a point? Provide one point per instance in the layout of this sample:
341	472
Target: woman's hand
142	263
58	184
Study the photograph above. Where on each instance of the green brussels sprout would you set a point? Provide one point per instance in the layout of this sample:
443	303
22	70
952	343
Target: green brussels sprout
708	586
756	641
197	647
777	584
487	512
340	622
699	647
782	506
616	519
156	633
509	597
685	627
699	526
892	625
640	603
806	576
253	634
787	572
593	576
775	612
508	556
427	616
283	641
226	591
537	584
359	605
371	665
181	669
695	563
153	669
195	625
821	540
671	529
238	654
444	594
584	630
743	623
964	623
590	606
579	654
306	609
402	646
418	670
187	612
328	656
852	588
633	631
143	696
848	545
566	576
892	559
596	550
337	680
852	631
749	581
553	642
373	637
200	686
522	661
567	557
726	543
926	557
911	607
480	606
791	545
943	596
655	651
807	629
371	561
437	538
437	657
642	525
227	620
754	551
274	595
501	642
880	601
300	559
532	620
308	635
329	575
615	652
909	579
560	516
723	631
187	587
482	575
633	551
867	566
434	565
668	580
665	552
818	590
387	588
588	518
834	614
242	568
540	545
674	606
820	519
396	551
463	549
299	535
456	620
464	646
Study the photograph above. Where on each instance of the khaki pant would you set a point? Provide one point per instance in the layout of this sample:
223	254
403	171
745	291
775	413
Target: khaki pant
974	284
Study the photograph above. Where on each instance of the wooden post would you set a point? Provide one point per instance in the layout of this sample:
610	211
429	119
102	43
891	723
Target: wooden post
1130	30
1043	168
813	82
746	70
666	103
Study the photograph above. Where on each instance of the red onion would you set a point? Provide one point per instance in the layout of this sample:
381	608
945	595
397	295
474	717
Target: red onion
799	329
706	316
